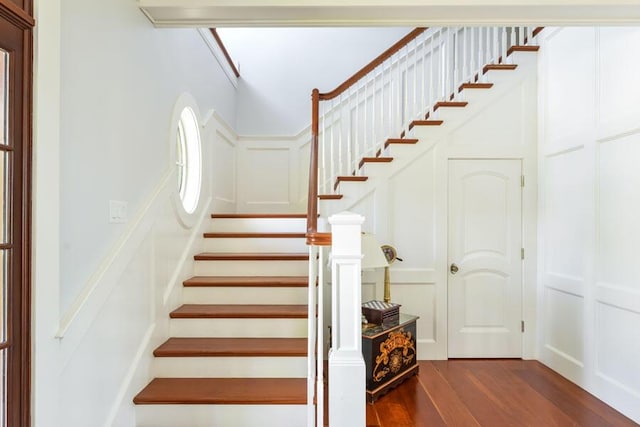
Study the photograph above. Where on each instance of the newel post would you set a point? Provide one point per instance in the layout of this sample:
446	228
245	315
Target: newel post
347	386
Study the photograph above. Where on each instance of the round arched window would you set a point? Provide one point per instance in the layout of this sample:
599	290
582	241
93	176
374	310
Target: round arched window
188	160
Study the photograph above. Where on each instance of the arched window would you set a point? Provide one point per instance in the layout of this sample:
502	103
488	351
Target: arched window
188	160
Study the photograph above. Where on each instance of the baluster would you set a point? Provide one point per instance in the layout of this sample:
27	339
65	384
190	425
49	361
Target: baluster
391	108
432	68
405	89
443	66
414	111
465	59
455	62
335	162
374	122
382	120
449	64
496	44
398	119
382	129
473	51
480	52
345	116
503	51
488	46
362	141
312	330
520	38
423	82
320	344
356	128
323	151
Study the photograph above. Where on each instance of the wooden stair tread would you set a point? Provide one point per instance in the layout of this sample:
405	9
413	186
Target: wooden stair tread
464	86
258	215
229	391
425	123
377	159
349	178
450	104
251	256
255	235
239	311
401	141
330	196
499	67
352	178
232	347
531	48
248	281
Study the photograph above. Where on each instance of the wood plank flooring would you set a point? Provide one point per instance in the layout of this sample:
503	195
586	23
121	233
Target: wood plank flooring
493	393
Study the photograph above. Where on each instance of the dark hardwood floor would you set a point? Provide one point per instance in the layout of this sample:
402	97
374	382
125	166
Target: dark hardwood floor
490	393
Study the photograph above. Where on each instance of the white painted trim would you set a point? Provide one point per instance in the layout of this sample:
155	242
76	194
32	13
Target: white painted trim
196	233
305	133
230	133
214	13
46	213
143	349
618	296
215	49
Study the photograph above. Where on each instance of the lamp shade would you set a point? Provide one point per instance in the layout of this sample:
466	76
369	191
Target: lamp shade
372	255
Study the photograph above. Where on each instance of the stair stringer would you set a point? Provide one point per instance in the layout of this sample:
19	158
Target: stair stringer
431	137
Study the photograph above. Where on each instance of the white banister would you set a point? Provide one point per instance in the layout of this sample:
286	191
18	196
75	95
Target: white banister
320	346
313	328
346	365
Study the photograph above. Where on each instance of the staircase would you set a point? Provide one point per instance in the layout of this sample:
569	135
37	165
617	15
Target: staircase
237	352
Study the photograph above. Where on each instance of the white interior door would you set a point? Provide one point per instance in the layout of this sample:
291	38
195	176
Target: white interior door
485	265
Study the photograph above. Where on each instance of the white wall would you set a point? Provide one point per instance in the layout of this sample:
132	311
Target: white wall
119	79
106	83
589	210
280	67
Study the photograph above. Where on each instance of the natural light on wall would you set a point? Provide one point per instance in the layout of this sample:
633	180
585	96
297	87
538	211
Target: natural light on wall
188	160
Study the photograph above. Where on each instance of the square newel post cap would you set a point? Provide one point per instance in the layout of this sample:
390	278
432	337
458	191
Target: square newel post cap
345	233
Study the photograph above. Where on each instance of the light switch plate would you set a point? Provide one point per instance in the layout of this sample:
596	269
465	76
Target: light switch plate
117	211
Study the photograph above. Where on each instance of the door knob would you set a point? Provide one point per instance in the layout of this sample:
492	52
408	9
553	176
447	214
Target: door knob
454	268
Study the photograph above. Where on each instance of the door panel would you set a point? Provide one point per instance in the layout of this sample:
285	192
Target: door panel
485	239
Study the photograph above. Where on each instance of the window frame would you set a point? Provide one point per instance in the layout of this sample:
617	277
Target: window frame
186	186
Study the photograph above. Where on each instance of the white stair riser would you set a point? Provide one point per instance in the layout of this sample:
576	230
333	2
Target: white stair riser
249	244
474	96
258	225
238	328
375	169
230	367
244	295
248	268
221	415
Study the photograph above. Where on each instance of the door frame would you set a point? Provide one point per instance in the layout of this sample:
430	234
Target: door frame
19	16
530	297
448	241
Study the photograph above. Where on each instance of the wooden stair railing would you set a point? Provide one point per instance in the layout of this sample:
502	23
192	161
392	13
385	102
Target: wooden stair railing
313	236
412	80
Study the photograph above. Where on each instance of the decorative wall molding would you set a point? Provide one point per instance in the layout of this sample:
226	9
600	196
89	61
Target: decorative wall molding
217	52
102	281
